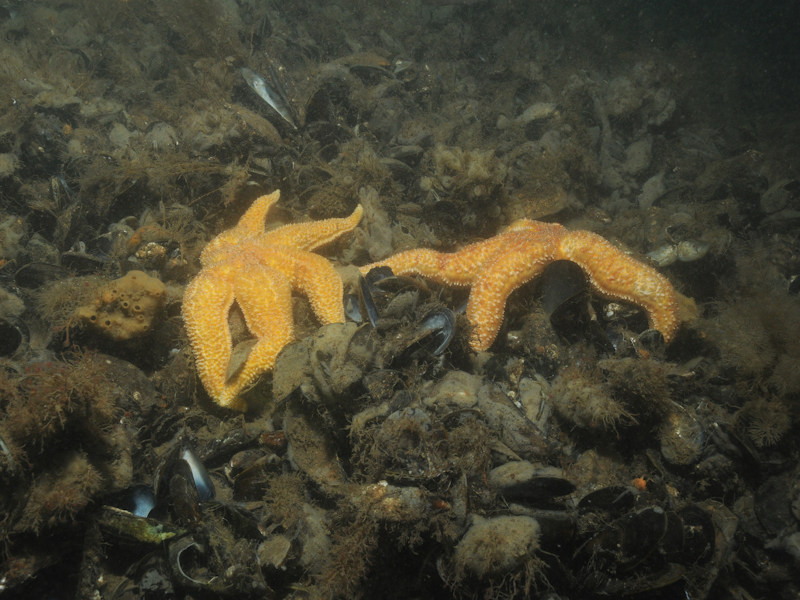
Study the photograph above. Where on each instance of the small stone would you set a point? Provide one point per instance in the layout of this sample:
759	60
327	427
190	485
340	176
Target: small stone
497	545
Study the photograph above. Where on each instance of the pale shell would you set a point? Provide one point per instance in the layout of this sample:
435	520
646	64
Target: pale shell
690	250
664	255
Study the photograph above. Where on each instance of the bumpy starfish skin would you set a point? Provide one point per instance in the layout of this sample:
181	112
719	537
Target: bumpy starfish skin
258	270
496	267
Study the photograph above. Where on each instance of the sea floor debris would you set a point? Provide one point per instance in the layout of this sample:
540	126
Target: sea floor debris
578	455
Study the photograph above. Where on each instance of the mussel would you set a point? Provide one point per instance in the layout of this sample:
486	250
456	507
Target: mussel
13	333
36	274
271	92
430	337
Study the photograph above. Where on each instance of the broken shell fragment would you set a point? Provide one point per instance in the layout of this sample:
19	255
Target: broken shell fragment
128	526
664	256
685	251
691	250
201	478
780	195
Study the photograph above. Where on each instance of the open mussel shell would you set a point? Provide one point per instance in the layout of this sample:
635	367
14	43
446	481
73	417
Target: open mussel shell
367	301
200	477
432	336
384	280
381	293
272	90
698	537
614	499
138	500
352	308
127	526
439	326
627	542
13	334
522	481
189	564
36	274
363	305
208	561
181	483
565	301
561	281
78	260
650	343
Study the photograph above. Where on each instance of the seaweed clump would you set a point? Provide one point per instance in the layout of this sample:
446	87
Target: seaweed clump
469	179
64	442
582	399
764	420
51	401
758	338
618	392
500	550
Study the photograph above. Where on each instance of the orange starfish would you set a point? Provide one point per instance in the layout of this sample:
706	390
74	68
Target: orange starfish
258	270
496	267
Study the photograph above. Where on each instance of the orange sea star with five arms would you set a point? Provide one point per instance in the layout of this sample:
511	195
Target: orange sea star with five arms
496	267
259	270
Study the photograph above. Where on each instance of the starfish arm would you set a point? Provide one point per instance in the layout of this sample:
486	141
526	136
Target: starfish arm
318	280
252	221
265	297
520	262
422	261
315	234
535	226
312	275
456	268
250	224
615	275
206	304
